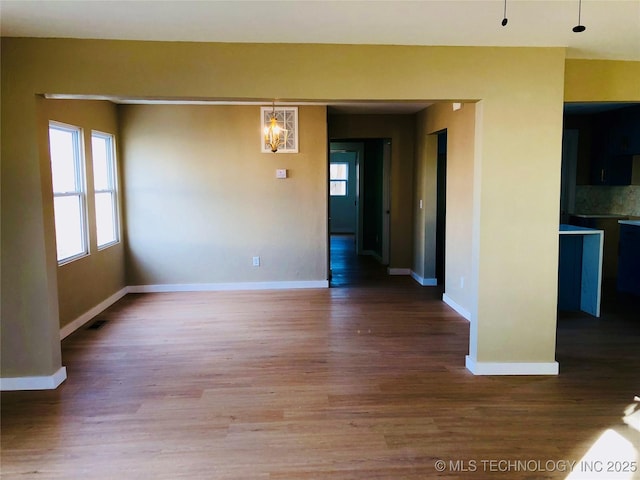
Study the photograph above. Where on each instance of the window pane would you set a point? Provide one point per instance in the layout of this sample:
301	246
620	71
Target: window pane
62	145
68	219
105	218
338	171
337	188
99	151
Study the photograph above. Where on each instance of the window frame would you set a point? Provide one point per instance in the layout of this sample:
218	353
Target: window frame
336	180
80	187
112	180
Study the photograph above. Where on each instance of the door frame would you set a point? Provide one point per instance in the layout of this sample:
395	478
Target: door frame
357	145
386	200
358	149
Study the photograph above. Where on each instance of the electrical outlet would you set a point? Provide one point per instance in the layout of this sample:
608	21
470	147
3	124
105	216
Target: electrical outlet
256	261
461	282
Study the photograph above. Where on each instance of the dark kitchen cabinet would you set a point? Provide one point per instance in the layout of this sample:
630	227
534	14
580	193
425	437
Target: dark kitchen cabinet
624	132
629	257
608	142
617	140
607	169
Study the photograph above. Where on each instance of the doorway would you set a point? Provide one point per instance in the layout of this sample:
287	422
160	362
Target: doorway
359	209
441	206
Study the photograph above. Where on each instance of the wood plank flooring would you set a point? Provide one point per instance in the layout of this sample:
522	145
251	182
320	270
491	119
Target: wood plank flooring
364	381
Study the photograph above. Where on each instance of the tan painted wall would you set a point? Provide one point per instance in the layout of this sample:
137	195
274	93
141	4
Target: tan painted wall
202	199
517	144
400	129
83	283
425	190
29	324
460	127
515	241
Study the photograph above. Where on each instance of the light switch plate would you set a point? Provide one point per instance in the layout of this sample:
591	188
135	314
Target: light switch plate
281	173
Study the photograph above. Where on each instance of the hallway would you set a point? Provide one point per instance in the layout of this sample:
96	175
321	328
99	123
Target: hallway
351	270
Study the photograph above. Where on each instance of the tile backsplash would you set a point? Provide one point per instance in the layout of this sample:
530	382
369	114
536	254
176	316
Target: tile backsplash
596	199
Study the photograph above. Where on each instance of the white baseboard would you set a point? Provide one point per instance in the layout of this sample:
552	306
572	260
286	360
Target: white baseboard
399	271
214	287
71	327
425	282
515	368
458	308
49	382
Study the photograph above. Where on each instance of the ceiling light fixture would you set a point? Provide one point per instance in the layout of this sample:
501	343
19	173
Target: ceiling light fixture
274	134
505	20
579	28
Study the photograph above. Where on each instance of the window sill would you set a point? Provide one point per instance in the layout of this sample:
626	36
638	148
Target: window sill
108	245
69	260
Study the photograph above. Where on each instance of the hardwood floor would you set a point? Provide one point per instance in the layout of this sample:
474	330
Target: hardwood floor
364	381
349	269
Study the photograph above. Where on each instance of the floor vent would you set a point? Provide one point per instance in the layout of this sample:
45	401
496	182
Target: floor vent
96	325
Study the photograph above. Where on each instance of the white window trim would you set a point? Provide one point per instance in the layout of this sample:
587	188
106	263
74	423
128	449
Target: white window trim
341	180
113	177
80	182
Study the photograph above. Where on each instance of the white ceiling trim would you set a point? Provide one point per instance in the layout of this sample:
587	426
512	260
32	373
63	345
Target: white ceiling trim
397	107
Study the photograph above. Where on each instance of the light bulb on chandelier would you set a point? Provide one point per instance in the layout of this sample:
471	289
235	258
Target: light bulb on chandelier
274	135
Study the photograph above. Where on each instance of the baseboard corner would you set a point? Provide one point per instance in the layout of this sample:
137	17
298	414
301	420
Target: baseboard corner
511	368
398	271
463	312
76	324
46	382
425	282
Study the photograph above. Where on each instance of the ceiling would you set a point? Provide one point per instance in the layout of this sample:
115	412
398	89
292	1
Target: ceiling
613	26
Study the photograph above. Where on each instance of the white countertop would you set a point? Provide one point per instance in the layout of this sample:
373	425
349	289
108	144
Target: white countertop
630	222
603	215
575	230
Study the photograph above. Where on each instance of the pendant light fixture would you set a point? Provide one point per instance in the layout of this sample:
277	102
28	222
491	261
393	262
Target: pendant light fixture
579	28
274	135
505	20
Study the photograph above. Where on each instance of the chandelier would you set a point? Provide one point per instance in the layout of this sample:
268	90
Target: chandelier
274	134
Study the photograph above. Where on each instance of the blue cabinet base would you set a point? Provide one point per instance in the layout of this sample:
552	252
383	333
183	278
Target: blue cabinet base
580	269
629	259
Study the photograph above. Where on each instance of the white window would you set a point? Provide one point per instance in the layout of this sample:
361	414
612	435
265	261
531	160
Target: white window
69	199
338	177
105	185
